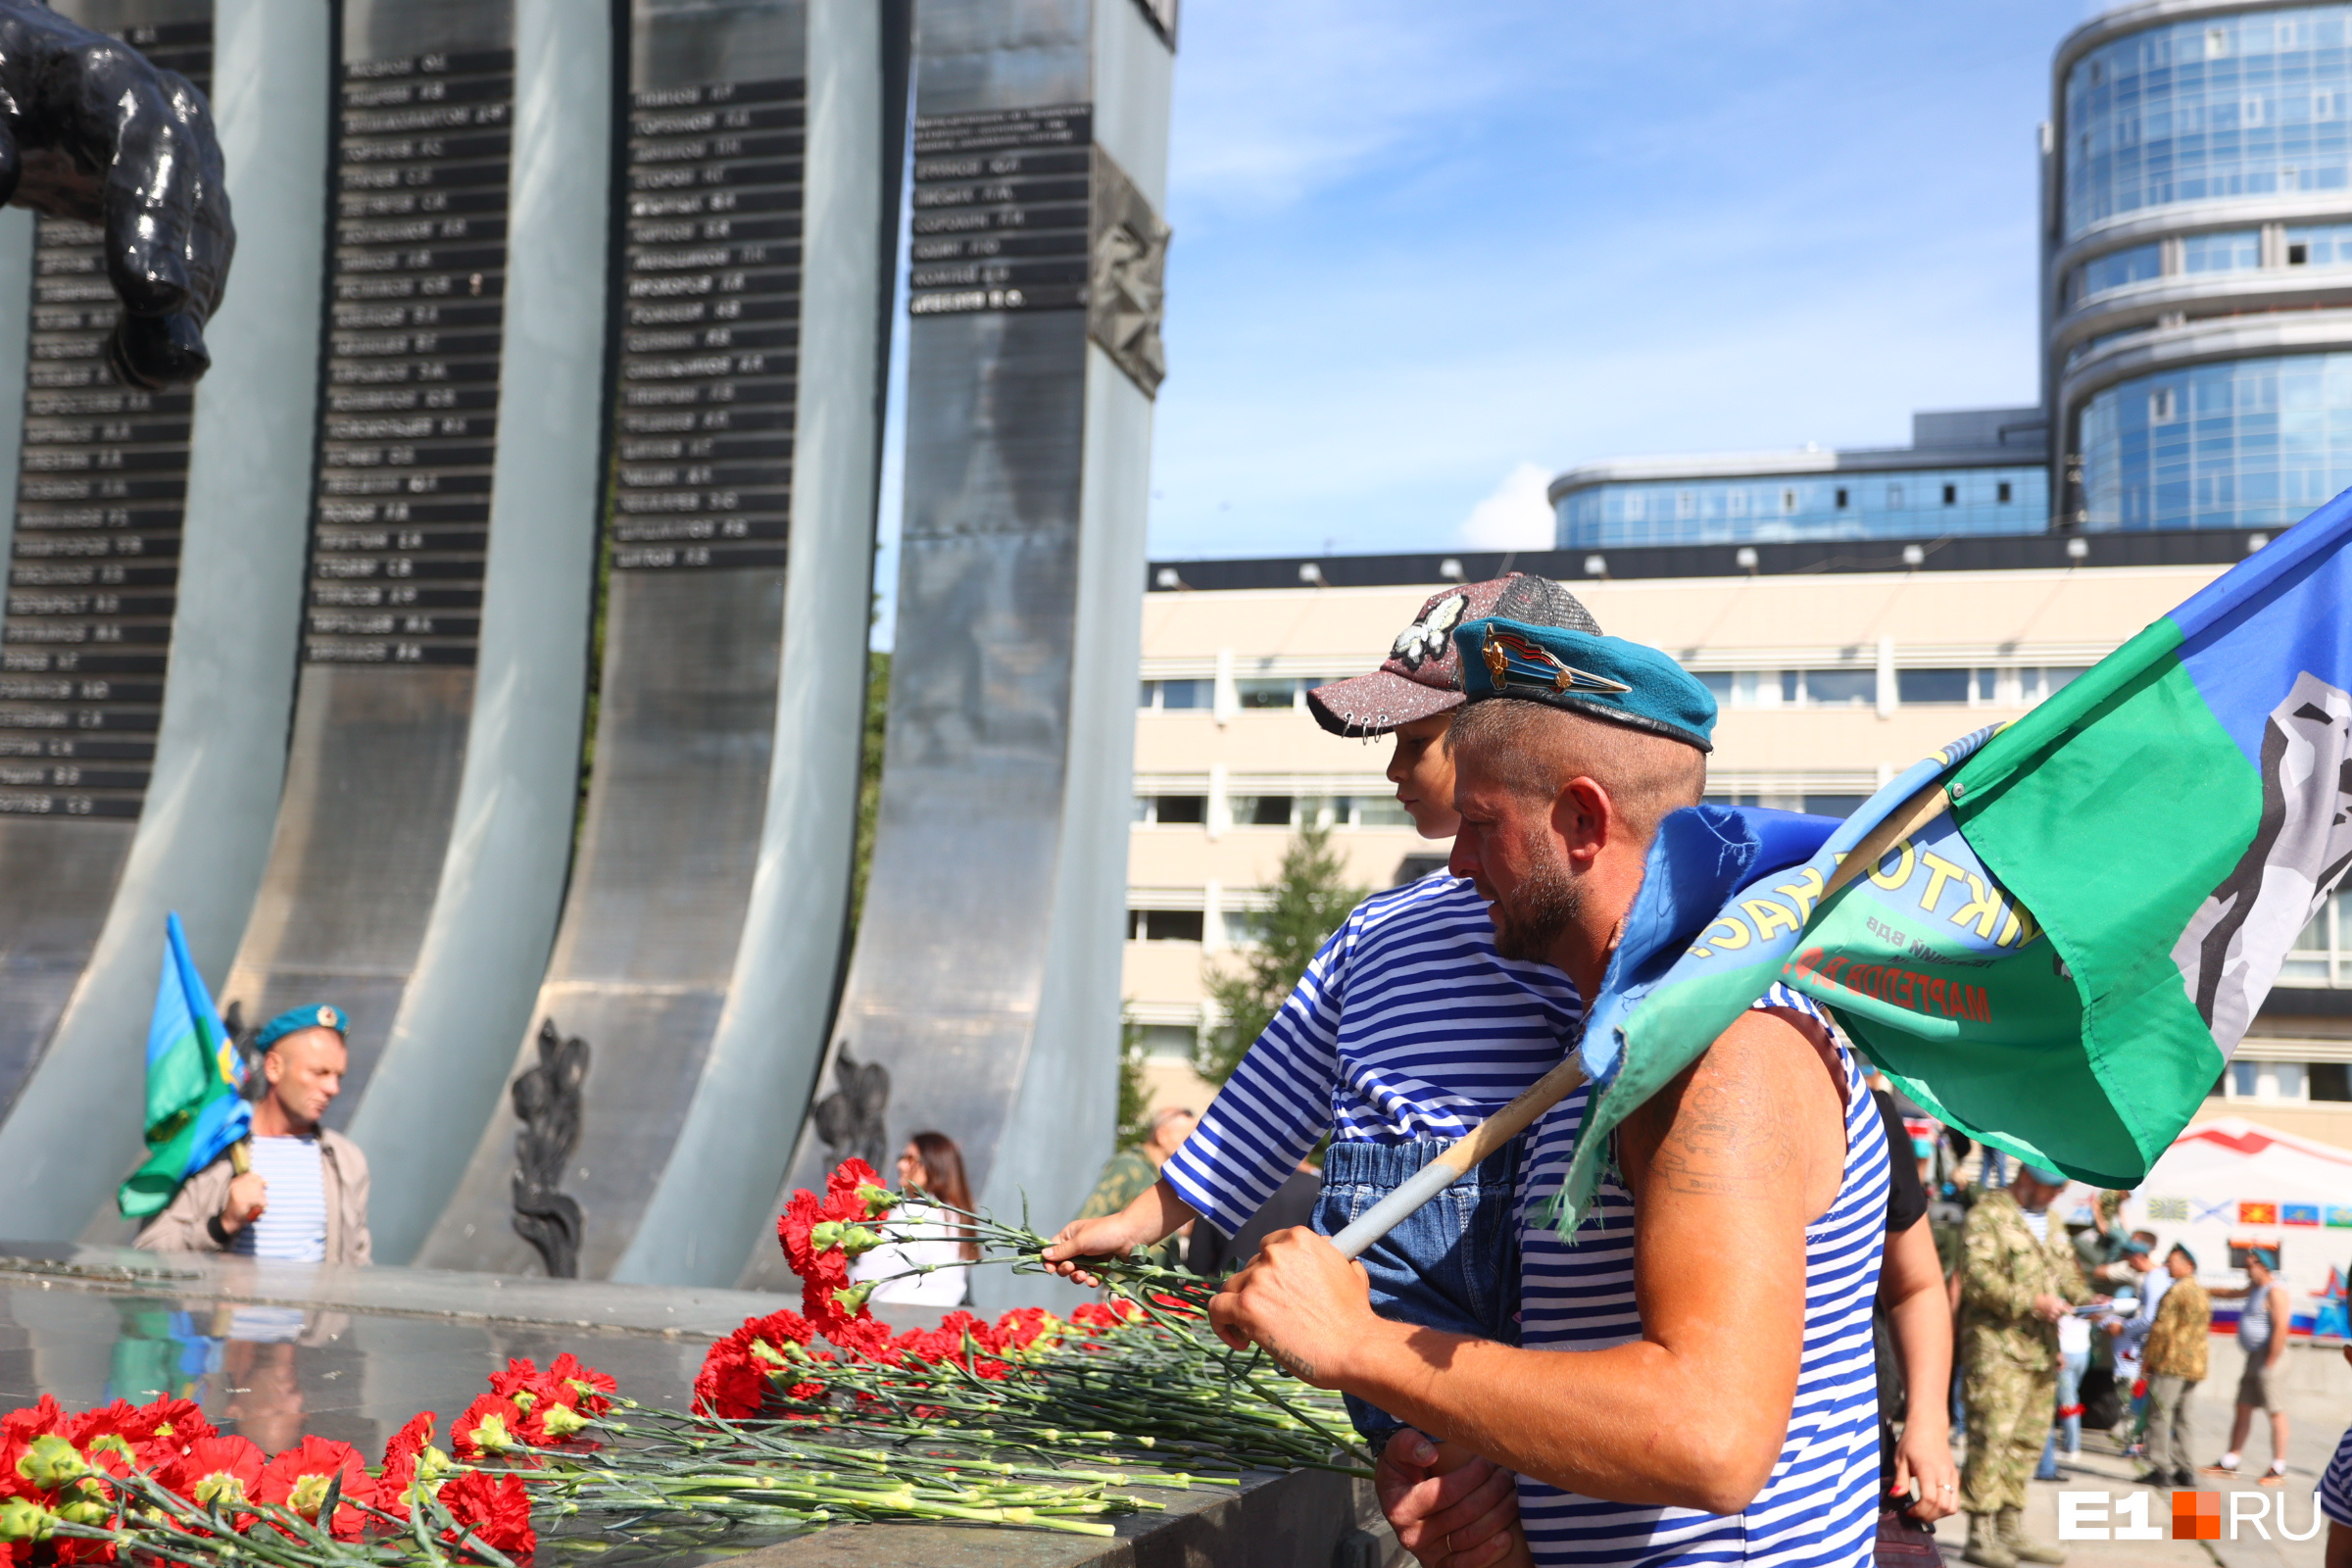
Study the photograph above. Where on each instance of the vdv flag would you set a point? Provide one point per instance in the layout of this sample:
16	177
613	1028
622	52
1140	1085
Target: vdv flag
195	1109
2060	928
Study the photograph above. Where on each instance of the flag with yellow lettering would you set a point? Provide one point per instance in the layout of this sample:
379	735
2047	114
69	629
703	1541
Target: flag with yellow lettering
2058	930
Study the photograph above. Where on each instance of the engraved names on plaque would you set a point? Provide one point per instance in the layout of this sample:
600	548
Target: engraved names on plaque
711	326
1000	211
95	563
418	282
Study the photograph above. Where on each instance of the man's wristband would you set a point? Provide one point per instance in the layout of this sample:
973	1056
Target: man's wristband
218	1232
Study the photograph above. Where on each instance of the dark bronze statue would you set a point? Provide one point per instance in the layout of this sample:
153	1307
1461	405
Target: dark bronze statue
849	1120
547	1102
90	130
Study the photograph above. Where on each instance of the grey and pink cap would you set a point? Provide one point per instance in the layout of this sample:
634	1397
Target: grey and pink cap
1422	676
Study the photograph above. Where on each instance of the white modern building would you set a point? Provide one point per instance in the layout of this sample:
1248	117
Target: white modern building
1835	670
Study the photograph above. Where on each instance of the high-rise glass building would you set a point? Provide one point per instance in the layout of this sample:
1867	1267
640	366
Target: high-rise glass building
2198	265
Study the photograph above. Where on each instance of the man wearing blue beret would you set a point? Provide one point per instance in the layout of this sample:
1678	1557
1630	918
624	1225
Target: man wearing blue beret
305	1197
1693	1379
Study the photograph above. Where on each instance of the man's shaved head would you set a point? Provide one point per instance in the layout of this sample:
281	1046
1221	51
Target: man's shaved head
1532	749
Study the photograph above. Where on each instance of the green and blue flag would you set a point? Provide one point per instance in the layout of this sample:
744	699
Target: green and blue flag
2067	922
195	1110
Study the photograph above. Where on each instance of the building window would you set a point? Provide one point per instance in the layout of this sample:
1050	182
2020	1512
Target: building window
1842	498
1168	1042
1261	810
1163	925
1833	804
1951	494
1266	692
2329	1080
1178	694
1894	495
2237	251
1167	808
1931	685
1381	810
1834	688
2004	493
2319	956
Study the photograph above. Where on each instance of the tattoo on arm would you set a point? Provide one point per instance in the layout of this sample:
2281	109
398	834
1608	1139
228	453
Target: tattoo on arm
1296	1366
1723	1140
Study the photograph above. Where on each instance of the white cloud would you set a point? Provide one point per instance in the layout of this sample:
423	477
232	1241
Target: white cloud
1516	516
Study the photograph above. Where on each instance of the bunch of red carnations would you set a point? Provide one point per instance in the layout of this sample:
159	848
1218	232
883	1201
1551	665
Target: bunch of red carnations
1136	1371
158	1482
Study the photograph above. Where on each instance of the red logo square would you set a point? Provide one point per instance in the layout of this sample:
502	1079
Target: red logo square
2196	1516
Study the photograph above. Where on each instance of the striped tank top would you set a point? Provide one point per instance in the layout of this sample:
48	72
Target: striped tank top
1408	1025
1819	1507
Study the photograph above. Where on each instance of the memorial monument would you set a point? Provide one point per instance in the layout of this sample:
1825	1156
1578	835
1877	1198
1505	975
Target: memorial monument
152	613
707	906
425	826
985	983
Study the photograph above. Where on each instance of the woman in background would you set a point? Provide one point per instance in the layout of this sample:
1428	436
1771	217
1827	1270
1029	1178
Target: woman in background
926	1236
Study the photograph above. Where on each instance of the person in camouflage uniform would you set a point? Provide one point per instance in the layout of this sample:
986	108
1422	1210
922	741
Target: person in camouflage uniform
2014	1289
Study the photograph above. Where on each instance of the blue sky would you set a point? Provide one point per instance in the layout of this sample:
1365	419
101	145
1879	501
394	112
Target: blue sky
1428	255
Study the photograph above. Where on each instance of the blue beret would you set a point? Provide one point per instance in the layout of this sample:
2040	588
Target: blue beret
288	1023
1604	677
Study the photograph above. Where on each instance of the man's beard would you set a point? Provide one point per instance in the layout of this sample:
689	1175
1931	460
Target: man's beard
1530	918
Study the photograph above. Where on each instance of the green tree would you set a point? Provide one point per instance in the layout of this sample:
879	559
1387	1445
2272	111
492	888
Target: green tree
1312	898
870	778
1135	1098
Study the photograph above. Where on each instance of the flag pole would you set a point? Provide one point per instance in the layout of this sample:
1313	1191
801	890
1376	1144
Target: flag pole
1458	1158
240	1156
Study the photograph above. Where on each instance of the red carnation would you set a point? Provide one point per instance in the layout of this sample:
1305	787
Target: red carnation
866	1337
34	1420
800	1216
401	1457
581	1386
496	1509
217	1472
843	1201
730	1385
519	1382
490	1425
166	1426
1023	1327
411	1439
782	1328
298	1479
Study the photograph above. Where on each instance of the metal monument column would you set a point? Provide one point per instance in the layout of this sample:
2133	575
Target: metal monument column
422	844
95	557
984	982
222	617
728	347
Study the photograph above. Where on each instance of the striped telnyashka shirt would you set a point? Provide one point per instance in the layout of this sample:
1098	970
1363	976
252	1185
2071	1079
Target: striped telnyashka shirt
1407	1026
2336	1487
293	1222
1820	1508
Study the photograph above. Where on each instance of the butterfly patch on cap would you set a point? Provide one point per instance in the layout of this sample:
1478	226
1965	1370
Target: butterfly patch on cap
1422	676
1428	638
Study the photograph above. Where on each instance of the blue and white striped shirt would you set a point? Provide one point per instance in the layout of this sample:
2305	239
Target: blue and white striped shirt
1408	1025
1820	1508
293	1221
2336	1487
